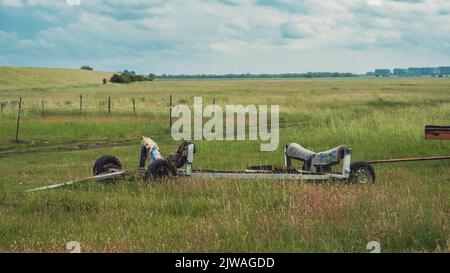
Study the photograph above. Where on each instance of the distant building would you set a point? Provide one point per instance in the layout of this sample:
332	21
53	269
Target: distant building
401	72
444	70
382	72
413	72
422	71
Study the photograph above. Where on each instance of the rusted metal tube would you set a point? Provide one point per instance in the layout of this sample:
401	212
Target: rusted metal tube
437	132
409	159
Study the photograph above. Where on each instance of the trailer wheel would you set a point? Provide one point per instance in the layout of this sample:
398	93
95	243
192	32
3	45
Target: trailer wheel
362	173
160	170
105	163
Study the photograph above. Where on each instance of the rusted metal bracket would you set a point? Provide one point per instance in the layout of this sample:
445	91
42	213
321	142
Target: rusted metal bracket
433	132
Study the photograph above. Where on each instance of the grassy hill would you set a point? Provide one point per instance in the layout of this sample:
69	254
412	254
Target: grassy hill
28	78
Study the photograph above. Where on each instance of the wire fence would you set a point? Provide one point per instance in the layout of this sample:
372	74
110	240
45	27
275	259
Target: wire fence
17	108
83	106
90	105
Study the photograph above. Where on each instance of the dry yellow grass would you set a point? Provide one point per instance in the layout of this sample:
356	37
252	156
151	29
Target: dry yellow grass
12	78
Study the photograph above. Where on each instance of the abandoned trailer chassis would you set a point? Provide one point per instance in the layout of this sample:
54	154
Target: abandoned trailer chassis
280	174
286	173
277	174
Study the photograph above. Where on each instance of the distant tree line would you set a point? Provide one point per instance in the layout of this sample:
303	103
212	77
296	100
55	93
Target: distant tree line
85	67
412	72
259	76
130	76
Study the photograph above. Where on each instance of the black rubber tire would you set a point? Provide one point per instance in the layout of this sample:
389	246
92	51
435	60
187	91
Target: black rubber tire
355	172
181	162
160	170
104	163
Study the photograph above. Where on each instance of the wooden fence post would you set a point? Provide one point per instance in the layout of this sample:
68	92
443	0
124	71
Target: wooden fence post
109	105
170	112
18	120
81	104
134	106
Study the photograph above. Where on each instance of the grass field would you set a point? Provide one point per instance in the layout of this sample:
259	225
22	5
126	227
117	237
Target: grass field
407	210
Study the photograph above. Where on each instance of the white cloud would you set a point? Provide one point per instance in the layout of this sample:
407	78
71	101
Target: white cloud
374	2
11	3
176	35
296	30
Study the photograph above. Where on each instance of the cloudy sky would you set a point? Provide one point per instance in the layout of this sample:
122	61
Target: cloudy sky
225	36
